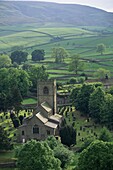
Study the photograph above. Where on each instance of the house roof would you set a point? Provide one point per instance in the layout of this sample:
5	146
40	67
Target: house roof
51	125
40	117
46	106
56	117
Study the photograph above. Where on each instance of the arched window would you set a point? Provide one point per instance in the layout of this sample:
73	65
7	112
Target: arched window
35	129
22	132
45	90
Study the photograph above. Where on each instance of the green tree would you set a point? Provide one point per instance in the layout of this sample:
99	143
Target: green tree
101	48
96	102
87	141
105	135
5	61
64	155
82	98
76	64
102	73
37	73
74	93
60	152
19	57
19	79
4	140
59	54
38	55
13	87
98	156
68	135
107	112
37	156
110	90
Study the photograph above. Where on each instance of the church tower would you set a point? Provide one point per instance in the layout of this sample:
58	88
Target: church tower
46	92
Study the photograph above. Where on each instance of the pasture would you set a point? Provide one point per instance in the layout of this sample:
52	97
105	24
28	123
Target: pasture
76	40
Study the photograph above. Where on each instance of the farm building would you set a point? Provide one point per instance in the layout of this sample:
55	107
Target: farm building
44	120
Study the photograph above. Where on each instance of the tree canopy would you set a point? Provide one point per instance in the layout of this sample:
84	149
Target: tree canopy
60	152
14	85
76	64
5	61
38	55
5	144
59	54
101	48
80	97
19	57
68	135
105	135
35	155
97	156
37	73
102	73
96	102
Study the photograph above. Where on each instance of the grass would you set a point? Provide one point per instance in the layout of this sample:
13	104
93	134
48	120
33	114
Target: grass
83	126
6	156
79	40
29	101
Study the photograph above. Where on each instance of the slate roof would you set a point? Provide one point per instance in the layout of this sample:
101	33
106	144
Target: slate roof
40	117
46	107
51	125
56	117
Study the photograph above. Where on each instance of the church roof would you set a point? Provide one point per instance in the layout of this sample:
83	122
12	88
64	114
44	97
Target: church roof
46	106
56	117
51	125
46	121
40	117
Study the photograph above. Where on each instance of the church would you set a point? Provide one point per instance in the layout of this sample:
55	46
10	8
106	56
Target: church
44	121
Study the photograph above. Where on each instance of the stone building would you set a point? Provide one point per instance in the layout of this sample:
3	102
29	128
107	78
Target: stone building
44	120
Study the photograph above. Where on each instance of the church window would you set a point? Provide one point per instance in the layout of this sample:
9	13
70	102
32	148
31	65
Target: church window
45	90
23	133
35	129
48	132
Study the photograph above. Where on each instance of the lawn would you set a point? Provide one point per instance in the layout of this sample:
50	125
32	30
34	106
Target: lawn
29	101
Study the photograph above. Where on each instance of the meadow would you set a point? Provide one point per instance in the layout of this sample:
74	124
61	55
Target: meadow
76	40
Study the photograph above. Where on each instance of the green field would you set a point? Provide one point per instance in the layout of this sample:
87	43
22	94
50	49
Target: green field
79	40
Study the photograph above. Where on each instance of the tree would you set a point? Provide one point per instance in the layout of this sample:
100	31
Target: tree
38	55
64	155
68	135
101	48
19	57
73	95
5	61
97	156
4	140
35	155
105	135
102	73
60	152
76	64
107	112
82	98
96	102
13	81
87	141
37	73
59	54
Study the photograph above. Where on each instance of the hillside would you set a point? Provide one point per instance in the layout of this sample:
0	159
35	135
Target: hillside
52	14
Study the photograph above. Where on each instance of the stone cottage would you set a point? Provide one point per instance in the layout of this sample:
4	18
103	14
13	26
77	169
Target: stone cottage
44	120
